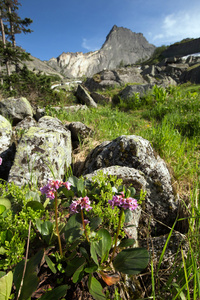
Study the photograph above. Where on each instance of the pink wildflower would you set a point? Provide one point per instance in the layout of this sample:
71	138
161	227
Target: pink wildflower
125	203
1	160
52	186
80	204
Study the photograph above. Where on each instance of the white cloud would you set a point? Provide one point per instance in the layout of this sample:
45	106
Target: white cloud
175	27
91	44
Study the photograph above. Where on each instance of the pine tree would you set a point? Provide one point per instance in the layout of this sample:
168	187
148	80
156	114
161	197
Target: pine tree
12	24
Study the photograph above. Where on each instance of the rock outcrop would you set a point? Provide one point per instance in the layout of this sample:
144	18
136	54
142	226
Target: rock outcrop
185	47
122	47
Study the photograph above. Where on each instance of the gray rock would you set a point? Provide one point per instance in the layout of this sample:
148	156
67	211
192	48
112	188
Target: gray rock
15	109
84	97
136	153
43	152
100	99
24	125
171	256
131	90
79	131
51	123
7	147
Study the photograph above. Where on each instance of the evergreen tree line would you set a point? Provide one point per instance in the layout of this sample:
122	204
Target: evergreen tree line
10	25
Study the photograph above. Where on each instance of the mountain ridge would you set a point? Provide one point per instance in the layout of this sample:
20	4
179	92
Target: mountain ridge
122	46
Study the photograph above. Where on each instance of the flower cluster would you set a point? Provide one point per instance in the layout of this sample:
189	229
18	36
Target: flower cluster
80	204
52	186
1	160
125	203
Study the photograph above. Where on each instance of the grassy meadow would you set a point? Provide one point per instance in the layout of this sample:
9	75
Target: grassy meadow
170	119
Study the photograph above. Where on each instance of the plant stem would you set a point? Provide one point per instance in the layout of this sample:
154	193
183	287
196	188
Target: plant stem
117	234
85	231
56	219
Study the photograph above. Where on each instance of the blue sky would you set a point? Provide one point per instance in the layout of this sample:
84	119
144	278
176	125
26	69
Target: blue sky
82	25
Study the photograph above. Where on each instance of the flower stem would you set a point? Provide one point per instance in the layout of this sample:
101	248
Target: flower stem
56	219
117	234
85	231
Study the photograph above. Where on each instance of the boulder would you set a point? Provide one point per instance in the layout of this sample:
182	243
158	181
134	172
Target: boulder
136	153
79	131
15	109
43	152
7	147
85	97
129	92
100	99
24	125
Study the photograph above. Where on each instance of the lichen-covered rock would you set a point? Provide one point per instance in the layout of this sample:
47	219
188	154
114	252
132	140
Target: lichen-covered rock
15	109
42	153
136	154
5	134
25	124
7	147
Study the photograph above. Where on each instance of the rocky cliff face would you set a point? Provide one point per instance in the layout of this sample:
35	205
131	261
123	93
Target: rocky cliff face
183	48
122	47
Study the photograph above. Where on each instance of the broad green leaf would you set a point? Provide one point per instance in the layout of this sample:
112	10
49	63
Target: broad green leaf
50	264
84	253
126	243
78	274
2	208
73	265
45	228
91	268
95	222
95	289
56	293
131	261
93	252
103	246
6	202
72	230
132	191
6	286
30	279
35	205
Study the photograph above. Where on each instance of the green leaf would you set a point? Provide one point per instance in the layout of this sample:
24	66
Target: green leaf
35	205
95	222
6	202
95	289
132	191
131	261
93	252
72	230
91	268
73	265
50	264
126	243
78	274
45	228
56	293
6	286
103	246
30	279
2	208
